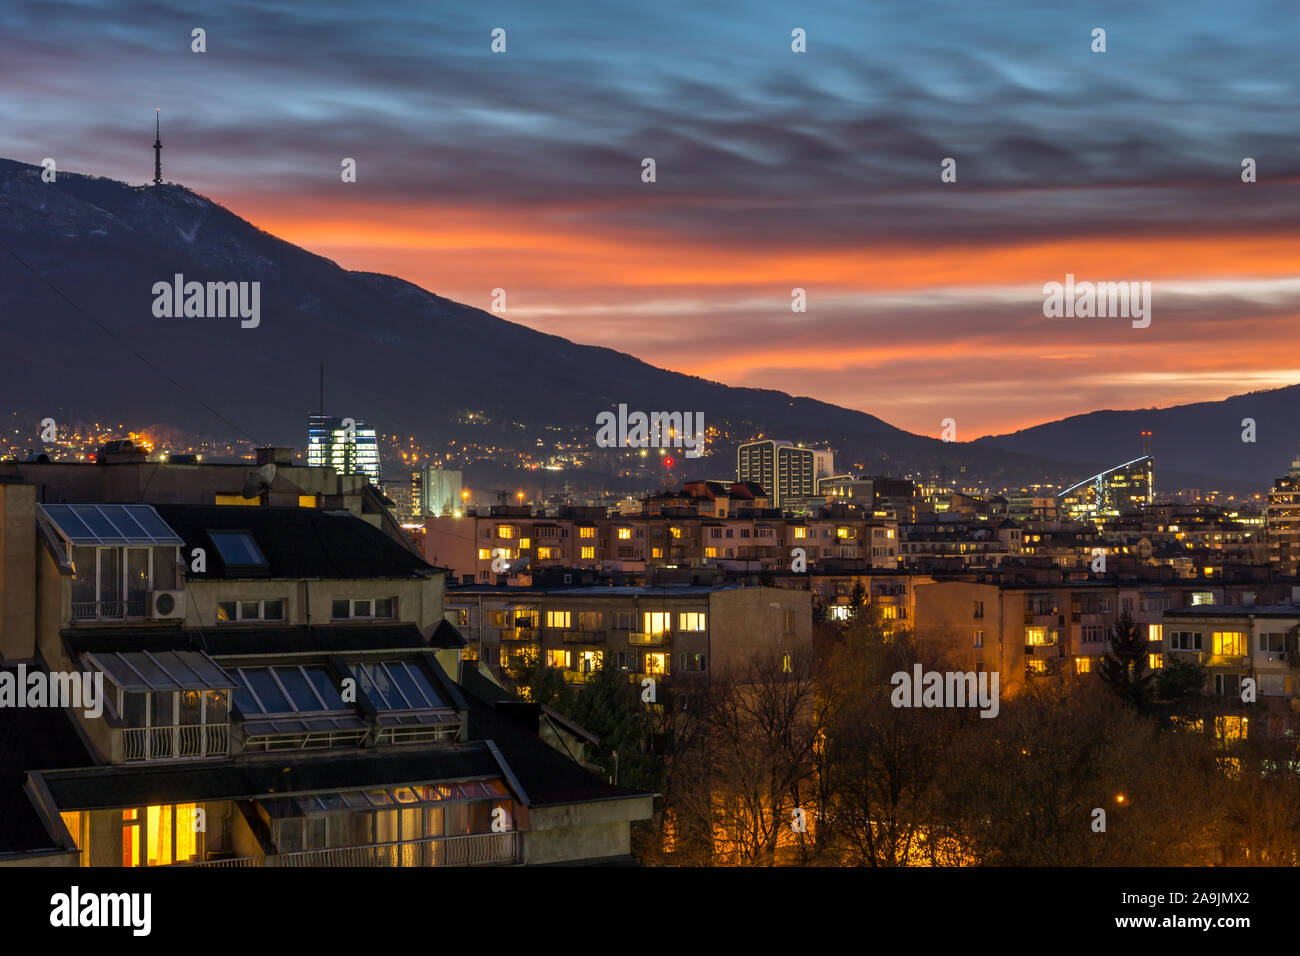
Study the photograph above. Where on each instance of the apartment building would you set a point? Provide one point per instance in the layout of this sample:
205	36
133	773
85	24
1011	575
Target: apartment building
676	632
1051	627
1235	643
482	548
281	688
1282	521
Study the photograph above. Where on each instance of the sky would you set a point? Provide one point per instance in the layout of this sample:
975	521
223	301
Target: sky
775	170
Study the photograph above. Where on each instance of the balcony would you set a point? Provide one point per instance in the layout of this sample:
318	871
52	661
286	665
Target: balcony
521	634
640	637
182	742
476	849
583	637
107	610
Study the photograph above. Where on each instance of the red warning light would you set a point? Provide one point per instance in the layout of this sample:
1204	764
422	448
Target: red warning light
668	462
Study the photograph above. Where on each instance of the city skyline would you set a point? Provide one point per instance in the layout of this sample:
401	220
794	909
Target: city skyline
818	170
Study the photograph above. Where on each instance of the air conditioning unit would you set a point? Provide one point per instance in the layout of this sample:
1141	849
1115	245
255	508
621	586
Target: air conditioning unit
166	605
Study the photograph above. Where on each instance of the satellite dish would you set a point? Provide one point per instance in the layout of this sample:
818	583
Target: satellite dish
259	481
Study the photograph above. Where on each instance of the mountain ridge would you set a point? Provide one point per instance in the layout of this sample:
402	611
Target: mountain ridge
398	356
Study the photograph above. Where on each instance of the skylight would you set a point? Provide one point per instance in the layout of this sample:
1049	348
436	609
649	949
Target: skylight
238	549
396	685
111	525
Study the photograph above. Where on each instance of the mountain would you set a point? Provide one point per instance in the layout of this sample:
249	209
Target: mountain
1203	437
398	357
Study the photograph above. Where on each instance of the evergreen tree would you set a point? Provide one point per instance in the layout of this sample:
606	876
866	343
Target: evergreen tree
1126	668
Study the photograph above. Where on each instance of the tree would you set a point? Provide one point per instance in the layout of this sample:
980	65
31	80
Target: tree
1181	680
1126	668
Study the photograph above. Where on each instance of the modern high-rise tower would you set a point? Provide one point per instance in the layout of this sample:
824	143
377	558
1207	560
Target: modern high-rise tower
783	469
346	444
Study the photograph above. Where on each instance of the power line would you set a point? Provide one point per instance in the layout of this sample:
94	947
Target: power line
108	331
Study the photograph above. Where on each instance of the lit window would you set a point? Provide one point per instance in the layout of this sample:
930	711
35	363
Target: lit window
1036	636
1157	661
624	534
558	658
558	619
505	531
308	501
1083	665
544	553
675	532
485	554
586	532
238	500
656	552
1036	666
525	543
844	534
800	532
657	622
656	663
690	621
589	552
1229	643
1230	728
710	552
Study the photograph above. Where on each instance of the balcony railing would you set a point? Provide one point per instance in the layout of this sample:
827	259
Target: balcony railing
583	637
521	634
107	610
181	742
476	849
640	637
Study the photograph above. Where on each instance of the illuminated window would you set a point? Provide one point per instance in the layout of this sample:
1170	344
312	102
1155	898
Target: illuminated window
1230	728
485	554
586	532
656	552
690	621
656	663
505	531
558	619
589	553
801	532
840	612
785	664
557	658
544	553
889	613
1083	665
675	532
308	501
1229	643
624	534
844	534
657	622
1036	636
710	552
1036	667
1156	661
238	500
525	543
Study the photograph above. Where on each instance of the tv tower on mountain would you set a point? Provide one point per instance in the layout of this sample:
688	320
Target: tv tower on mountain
157	148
